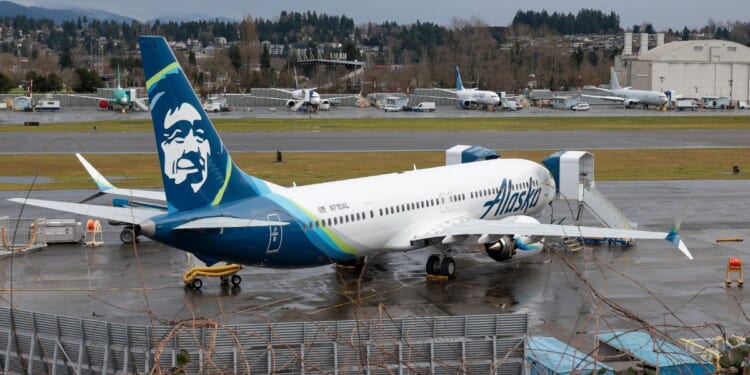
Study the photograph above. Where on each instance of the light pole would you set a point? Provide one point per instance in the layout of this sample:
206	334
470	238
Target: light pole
661	79
730	91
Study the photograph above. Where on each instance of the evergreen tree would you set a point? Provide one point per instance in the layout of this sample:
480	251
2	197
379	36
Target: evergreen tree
5	83
66	59
265	58
685	33
86	80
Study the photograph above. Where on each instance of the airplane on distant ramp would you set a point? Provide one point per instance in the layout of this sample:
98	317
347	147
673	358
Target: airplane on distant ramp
473	98
629	97
301	97
122	99
217	212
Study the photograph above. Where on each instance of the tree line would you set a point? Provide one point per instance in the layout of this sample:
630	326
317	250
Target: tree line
495	58
587	21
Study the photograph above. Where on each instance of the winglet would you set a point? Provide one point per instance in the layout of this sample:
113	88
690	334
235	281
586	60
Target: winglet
674	238
99	179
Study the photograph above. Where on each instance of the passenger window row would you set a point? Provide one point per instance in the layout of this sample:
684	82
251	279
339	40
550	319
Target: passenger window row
359	216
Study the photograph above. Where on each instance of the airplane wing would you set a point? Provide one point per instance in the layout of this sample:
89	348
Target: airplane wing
268	97
290	92
343	97
97	98
485	229
450	91
130	215
611	98
105	187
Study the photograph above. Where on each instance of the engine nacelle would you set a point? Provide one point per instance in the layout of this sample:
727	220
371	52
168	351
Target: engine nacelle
502	249
290	103
628	103
515	246
103	104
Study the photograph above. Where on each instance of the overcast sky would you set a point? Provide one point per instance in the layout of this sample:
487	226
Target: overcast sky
663	14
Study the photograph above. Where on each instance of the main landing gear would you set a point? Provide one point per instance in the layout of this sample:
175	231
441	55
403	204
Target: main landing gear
441	266
128	235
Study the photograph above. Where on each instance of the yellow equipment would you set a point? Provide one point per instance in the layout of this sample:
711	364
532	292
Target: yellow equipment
227	274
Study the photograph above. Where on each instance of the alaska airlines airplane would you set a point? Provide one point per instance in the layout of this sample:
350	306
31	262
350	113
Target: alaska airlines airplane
629	97
219	213
473	98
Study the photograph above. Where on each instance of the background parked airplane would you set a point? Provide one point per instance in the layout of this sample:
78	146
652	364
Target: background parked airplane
122	99
219	213
629	97
473	98
302	98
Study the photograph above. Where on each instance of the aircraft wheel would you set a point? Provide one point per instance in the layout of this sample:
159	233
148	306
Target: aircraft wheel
433	265
224	279
448	267
196	283
236	280
127	236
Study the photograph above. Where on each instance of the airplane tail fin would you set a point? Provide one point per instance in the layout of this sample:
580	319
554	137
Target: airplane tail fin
459	84
197	170
613	82
296	84
118	77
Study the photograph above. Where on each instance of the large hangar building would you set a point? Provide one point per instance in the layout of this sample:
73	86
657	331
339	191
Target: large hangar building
693	68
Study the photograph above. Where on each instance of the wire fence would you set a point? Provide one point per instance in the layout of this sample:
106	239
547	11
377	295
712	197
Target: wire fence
34	343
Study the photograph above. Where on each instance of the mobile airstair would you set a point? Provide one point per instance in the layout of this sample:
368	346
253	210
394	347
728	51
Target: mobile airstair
574	176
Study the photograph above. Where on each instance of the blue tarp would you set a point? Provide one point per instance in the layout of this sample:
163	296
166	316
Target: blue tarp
668	358
549	355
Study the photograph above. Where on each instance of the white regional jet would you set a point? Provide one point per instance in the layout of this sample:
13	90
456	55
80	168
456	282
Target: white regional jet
629	97
473	98
217	212
308	98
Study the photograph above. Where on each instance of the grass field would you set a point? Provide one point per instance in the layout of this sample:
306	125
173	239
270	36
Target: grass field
371	124
142	170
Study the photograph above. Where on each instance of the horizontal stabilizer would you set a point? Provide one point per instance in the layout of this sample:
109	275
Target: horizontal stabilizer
227	222
130	215
108	188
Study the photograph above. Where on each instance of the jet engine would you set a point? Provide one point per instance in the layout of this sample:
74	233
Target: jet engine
515	246
103	104
502	249
290	103
628	103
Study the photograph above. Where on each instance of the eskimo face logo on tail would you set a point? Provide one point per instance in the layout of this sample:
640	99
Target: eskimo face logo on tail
186	150
510	200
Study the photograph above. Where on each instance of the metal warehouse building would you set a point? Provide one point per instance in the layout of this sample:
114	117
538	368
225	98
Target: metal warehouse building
693	68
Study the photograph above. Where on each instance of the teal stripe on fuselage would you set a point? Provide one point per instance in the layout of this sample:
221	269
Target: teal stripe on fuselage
317	236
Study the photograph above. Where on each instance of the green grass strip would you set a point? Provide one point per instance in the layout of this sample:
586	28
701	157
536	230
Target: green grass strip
142	170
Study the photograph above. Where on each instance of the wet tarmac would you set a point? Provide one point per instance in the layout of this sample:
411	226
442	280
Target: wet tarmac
650	283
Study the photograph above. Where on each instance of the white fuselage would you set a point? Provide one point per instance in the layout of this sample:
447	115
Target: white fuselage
390	210
481	97
642	97
306	95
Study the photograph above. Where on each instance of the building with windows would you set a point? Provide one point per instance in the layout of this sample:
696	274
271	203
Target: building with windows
693	68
